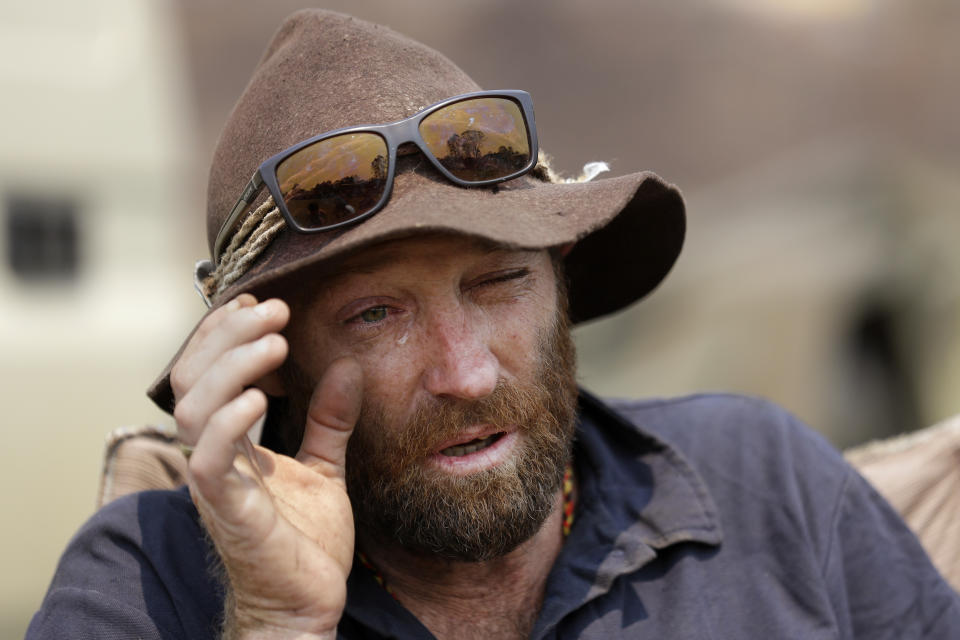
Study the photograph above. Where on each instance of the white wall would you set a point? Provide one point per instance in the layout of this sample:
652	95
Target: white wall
94	110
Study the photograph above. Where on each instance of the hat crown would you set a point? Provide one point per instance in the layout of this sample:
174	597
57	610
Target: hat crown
322	71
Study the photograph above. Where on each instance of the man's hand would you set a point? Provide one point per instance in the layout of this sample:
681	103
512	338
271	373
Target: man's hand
283	526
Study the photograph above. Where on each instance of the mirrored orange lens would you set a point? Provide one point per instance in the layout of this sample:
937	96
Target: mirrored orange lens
478	139
334	180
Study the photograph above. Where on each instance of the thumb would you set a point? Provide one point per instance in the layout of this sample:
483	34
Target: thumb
334	409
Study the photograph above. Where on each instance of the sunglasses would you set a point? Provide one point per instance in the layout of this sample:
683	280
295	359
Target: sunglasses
343	176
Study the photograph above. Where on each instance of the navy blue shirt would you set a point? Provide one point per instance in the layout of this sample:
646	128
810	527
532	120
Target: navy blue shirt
704	517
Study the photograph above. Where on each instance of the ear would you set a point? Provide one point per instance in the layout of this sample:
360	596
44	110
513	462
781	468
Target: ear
272	385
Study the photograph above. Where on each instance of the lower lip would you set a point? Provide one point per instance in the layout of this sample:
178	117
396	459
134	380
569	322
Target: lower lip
486	458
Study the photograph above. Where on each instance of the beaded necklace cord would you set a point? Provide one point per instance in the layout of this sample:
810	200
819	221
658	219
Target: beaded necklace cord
569	507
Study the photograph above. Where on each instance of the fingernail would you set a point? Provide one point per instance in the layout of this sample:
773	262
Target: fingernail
233	305
264	309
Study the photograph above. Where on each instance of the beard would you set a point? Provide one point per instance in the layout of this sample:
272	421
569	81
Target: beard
399	499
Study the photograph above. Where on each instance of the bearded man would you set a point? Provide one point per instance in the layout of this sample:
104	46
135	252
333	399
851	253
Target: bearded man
393	290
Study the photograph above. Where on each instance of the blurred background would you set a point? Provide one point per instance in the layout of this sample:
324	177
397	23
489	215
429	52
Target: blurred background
816	142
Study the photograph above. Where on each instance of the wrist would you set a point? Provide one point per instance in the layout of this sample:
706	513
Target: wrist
263	632
235	630
241	624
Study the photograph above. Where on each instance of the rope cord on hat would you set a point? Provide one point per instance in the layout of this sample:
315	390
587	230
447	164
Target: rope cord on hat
250	240
265	222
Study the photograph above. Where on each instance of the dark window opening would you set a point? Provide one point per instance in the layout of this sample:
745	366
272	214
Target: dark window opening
42	238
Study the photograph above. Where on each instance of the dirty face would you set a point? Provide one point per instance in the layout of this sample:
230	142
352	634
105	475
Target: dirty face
468	389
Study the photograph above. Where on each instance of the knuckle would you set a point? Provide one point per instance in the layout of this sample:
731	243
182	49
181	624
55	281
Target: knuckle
253	354
179	381
217	421
184	414
332	420
246	299
223	315
254	401
200	469
209	323
275	344
240	325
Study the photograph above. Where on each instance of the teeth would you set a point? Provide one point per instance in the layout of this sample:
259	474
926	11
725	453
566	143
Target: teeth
463	449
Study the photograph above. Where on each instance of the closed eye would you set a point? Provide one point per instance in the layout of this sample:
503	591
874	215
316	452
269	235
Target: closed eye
517	274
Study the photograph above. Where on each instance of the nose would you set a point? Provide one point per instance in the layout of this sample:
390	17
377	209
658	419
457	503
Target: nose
461	364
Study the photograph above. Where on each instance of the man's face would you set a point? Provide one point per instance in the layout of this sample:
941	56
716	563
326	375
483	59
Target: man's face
468	390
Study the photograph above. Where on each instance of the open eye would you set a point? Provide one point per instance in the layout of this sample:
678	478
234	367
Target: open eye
373	315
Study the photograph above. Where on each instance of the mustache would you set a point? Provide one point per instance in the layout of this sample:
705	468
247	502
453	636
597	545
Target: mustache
435	421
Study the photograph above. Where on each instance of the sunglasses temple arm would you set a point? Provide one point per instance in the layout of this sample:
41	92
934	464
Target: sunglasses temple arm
250	193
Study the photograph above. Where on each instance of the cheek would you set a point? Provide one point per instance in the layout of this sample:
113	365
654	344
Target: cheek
391	372
515	347
517	333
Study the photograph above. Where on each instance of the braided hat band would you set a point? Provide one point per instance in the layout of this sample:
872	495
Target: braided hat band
265	222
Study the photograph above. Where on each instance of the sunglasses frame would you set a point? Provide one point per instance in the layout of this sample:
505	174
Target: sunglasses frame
393	134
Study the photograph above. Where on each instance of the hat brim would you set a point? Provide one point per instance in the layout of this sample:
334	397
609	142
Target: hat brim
628	233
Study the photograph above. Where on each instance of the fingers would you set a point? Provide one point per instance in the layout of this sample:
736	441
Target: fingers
235	370
189	366
214	455
334	410
234	347
239	321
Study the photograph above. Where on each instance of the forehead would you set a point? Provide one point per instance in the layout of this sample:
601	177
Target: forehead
403	255
406	251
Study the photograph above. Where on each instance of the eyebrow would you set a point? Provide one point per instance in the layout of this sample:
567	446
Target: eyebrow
374	259
367	264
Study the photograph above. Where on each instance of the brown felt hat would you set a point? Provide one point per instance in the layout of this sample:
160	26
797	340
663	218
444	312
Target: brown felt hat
325	70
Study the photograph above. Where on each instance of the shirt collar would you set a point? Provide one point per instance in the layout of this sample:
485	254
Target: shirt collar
637	495
662	500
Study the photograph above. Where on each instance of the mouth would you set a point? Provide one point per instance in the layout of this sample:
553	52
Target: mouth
473	452
477	444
